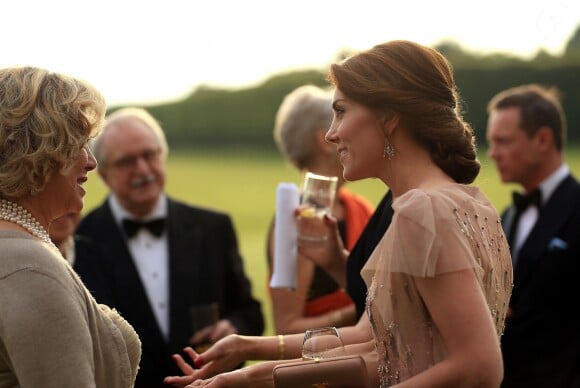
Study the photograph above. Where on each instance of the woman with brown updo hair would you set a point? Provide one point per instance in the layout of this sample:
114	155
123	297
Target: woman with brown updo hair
439	281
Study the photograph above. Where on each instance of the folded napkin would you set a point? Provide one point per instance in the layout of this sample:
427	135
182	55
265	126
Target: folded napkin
287	200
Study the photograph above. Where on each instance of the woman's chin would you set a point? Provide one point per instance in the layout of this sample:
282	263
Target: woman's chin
76	206
351	175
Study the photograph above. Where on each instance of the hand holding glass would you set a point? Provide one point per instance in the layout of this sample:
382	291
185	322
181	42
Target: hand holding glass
323	342
203	317
318	194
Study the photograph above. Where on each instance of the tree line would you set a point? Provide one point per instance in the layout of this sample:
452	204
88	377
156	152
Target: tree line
217	117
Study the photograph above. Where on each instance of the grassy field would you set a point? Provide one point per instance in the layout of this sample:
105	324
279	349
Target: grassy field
243	183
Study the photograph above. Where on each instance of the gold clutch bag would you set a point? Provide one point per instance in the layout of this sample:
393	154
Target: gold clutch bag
336	372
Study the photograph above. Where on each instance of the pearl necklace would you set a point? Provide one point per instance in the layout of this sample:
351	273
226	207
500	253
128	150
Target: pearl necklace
10	211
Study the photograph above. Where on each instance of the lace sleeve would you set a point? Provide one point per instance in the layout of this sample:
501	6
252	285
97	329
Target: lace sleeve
430	234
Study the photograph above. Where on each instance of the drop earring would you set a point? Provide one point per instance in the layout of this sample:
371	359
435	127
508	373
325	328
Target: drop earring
389	150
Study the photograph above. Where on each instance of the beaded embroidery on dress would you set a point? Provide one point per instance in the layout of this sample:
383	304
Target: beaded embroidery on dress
443	230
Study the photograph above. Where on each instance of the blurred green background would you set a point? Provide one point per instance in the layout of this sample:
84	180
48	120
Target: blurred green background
242	182
223	155
221	118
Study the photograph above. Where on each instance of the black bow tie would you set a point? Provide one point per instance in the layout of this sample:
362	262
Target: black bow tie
523	201
154	226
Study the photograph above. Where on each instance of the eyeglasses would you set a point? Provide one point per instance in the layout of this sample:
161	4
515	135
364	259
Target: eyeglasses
130	161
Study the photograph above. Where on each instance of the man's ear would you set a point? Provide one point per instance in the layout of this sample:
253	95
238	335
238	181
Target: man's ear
545	138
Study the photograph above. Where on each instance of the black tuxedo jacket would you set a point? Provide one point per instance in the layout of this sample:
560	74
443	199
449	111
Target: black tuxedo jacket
204	266
95	272
541	342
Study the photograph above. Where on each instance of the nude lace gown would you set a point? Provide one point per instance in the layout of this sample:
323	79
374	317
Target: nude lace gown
450	228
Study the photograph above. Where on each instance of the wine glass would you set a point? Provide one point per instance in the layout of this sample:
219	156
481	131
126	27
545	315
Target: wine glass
322	342
318	192
203	317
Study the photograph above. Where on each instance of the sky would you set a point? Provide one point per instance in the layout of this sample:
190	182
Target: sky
153	51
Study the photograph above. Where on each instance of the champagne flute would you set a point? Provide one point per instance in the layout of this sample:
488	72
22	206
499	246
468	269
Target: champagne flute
322	342
318	194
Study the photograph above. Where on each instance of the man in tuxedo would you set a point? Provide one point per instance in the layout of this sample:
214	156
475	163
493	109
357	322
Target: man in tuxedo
85	256
166	256
526	133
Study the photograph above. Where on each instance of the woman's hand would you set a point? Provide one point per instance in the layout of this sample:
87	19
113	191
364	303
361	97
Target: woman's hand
189	374
235	379
257	375
223	356
212	334
329	254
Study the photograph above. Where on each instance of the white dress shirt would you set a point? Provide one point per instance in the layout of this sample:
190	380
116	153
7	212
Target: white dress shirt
529	217
151	257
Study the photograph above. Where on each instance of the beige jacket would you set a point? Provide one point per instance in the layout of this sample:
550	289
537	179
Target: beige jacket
52	332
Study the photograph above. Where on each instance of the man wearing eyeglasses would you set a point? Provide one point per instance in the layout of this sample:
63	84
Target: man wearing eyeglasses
166	256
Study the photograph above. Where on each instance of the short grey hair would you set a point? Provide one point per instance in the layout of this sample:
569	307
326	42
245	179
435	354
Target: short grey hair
302	114
126	114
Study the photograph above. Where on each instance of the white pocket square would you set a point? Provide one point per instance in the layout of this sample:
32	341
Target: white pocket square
557	244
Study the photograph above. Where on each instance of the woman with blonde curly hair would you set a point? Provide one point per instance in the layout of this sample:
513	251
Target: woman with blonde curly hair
52	332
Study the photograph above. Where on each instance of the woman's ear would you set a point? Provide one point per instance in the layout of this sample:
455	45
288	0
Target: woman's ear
390	122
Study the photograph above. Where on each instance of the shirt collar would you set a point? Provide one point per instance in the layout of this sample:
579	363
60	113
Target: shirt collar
549	185
119	213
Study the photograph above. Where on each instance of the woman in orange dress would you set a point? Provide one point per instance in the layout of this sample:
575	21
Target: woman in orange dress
301	122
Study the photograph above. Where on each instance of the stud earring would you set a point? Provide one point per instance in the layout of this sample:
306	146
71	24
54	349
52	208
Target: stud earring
389	150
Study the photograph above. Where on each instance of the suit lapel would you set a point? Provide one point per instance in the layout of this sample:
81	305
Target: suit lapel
130	296
507	222
550	220
186	273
